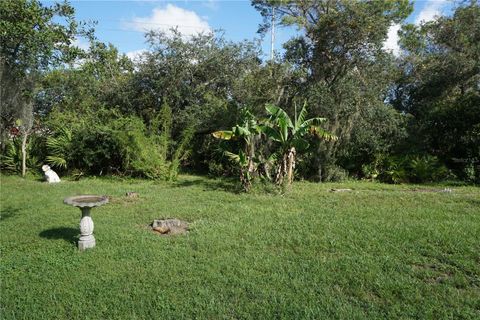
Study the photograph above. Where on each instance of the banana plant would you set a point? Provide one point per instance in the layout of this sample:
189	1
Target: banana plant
290	135
247	131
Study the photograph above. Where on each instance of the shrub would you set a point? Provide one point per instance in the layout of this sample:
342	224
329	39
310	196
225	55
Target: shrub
180	153
140	155
426	168
60	148
11	158
121	146
410	168
336	173
115	144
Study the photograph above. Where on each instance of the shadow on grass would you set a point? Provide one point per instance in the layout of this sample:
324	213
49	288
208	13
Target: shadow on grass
8	212
68	234
228	185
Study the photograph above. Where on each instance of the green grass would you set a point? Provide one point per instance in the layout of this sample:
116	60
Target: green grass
380	251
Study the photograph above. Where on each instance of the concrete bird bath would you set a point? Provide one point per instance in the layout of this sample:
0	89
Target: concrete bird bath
85	203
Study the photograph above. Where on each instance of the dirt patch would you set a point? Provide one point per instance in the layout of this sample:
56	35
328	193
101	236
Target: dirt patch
166	227
445	190
128	198
340	190
432	273
426	266
132	194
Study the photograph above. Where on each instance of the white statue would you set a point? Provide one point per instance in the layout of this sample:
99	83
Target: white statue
50	175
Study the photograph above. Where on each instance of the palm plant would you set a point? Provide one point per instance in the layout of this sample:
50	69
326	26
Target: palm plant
291	137
59	148
247	131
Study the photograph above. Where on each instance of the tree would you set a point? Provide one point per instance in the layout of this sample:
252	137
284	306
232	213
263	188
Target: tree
341	50
290	135
99	78
195	76
248	131
33	38
439	88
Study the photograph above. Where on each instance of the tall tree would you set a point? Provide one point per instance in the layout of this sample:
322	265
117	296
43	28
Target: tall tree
195	76
341	49
33	38
440	87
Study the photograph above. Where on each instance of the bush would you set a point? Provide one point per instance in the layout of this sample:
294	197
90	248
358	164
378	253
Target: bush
181	152
411	168
60	149
109	143
335	173
11	159
471	173
140	155
121	146
426	168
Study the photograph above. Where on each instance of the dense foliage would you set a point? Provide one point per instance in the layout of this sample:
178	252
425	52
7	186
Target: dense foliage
440	87
411	118
32	41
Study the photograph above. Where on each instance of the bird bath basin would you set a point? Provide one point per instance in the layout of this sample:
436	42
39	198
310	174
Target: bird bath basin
85	203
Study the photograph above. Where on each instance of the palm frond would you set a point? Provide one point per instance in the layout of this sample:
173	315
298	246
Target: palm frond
277	114
283	126
232	156
301	116
223	134
271	133
322	134
241	131
59	147
57	161
11	159
300	144
274	157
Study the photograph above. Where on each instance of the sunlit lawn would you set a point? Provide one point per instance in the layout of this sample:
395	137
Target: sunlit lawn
379	251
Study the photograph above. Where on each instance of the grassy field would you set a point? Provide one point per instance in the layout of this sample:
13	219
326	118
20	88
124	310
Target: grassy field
379	251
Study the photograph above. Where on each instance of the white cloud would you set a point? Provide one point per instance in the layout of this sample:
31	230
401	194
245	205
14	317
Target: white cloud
187	22
431	10
136	54
391	44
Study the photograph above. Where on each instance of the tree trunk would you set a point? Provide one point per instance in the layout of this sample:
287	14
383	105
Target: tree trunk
281	170
24	153
286	168
291	164
251	155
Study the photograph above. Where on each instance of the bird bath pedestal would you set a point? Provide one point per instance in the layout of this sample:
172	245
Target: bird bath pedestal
85	203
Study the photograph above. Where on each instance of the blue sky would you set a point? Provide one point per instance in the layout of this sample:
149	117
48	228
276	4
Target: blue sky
123	23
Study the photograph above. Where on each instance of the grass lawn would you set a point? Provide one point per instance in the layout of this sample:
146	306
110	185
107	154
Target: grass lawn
380	251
